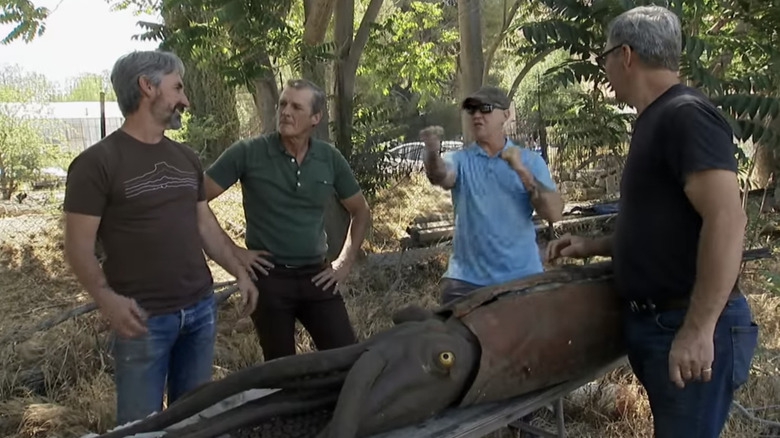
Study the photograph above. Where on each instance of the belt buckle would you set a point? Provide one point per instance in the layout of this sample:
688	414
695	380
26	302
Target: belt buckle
636	307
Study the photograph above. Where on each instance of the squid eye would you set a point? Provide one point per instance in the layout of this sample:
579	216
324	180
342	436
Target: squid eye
446	358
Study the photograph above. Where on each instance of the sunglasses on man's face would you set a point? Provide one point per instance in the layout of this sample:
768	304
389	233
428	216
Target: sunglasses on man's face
485	108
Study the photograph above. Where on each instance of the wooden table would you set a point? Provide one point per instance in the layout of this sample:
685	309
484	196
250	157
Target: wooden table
479	420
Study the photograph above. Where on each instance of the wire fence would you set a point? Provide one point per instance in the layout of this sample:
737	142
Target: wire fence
40	212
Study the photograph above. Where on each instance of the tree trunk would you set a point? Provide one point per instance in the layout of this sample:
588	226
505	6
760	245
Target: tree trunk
543	143
6	183
8	189
266	95
316	74
765	164
509	16
318	14
524	72
336	217
472	67
344	81
345	67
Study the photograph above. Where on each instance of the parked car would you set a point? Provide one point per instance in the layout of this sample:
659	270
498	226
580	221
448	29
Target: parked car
410	155
50	177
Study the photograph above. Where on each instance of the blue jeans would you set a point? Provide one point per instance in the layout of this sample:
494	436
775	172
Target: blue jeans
452	289
177	349
701	408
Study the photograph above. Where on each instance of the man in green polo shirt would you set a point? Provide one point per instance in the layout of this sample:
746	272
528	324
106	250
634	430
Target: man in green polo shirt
287	178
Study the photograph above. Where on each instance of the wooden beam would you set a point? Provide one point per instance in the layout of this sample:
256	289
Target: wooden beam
424	233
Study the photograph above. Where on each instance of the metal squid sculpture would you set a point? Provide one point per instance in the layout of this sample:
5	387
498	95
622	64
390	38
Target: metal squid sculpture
500	342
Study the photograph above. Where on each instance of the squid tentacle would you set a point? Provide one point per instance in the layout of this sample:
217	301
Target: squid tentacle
255	412
329	381
271	374
353	394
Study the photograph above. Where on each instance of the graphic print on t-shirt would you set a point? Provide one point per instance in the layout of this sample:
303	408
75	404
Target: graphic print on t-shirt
164	176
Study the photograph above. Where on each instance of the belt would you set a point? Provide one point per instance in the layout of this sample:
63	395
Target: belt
300	269
643	305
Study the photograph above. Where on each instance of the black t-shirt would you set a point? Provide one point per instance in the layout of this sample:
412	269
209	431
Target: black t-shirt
656	239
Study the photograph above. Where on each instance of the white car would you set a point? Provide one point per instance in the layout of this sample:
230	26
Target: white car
410	155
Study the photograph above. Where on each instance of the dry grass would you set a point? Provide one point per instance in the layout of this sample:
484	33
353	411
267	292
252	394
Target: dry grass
397	206
59	382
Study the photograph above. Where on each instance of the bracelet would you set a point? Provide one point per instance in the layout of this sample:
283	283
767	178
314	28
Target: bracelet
534	192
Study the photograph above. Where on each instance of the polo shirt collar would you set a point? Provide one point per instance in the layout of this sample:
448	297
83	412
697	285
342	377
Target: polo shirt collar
314	149
480	151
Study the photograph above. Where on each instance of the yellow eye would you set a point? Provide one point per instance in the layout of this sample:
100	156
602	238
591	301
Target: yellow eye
446	358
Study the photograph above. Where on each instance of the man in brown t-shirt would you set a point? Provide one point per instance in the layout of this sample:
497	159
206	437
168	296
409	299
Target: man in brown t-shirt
142	195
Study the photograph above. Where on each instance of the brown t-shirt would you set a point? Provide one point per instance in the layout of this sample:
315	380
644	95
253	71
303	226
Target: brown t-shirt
146	195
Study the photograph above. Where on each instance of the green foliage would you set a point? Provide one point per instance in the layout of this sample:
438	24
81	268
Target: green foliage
751	115
17	85
735	64
140	6
24	152
28	20
304	57
27	144
574	71
727	53
87	88
373	128
591	124
411	50
200	134
238	34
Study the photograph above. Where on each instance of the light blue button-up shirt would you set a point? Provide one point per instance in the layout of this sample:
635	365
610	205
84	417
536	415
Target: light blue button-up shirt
494	239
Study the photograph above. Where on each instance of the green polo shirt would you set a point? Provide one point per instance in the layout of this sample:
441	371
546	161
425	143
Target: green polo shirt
284	202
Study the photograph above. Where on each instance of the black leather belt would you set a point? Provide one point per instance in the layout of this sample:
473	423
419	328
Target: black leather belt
664	304
300	269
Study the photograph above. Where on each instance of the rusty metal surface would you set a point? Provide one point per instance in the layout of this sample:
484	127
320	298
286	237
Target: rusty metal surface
544	334
565	274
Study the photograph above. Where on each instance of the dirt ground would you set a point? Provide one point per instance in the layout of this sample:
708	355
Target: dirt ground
58	382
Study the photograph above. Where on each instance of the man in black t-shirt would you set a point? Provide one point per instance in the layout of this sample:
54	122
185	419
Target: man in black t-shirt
678	243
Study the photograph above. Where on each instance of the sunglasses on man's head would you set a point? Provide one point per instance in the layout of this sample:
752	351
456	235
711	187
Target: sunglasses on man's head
485	108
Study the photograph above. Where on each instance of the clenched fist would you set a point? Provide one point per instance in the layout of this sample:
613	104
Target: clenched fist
431	136
512	156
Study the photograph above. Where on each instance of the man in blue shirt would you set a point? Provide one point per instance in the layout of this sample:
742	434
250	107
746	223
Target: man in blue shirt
495	186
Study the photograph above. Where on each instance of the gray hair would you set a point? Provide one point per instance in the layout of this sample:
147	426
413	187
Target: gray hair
318	96
154	64
653	32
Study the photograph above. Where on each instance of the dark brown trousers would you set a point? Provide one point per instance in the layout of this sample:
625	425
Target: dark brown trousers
287	294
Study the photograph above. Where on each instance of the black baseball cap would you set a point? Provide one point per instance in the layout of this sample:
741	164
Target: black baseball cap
487	94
